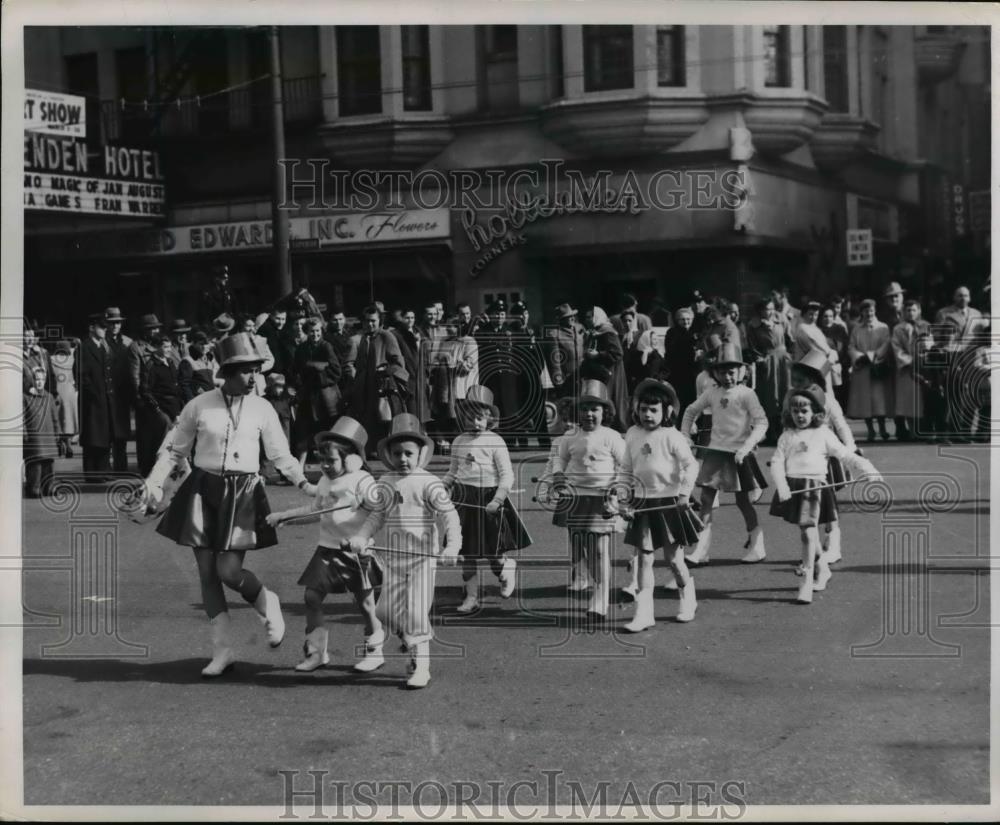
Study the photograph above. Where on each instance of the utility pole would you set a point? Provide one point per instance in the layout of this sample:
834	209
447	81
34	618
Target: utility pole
279	217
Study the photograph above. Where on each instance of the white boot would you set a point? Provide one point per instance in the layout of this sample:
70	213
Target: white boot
823	574
631	590
471	602
671	583
508	578
315	649
700	554
420	665
222	646
269	608
599	599
806	588
644	617
756	545
833	544
373	659
581	577
689	601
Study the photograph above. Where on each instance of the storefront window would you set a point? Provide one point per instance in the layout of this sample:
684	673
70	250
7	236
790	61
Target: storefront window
777	57
359	70
835	67
608	58
670	70
416	69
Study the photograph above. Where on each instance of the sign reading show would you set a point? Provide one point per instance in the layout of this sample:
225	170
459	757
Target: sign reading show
53	113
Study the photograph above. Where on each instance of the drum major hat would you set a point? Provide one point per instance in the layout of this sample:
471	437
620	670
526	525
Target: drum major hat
238	349
346	431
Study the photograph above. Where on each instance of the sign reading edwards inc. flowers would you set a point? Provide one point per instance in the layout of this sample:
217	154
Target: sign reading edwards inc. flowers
325	230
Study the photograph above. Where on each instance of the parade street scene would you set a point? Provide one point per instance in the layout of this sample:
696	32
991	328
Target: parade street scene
487	421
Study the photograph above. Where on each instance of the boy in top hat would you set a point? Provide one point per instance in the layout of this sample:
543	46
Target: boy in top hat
739	423
480	480
221	509
419	510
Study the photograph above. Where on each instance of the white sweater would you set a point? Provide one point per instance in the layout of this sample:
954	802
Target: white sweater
658	463
355	489
738	419
803	454
481	460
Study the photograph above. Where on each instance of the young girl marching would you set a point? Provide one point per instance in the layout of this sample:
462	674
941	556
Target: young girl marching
588	464
414	508
814	369
799	465
347	485
739	423
221	508
480	480
660	469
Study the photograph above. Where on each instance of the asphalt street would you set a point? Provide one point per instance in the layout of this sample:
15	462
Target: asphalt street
876	693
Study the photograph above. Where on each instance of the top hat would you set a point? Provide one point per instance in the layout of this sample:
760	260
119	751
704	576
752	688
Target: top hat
149	322
659	386
346	431
406	427
239	348
179	325
113	314
99	319
813	393
815	364
593	391
565	311
223	323
482	397
893	289
728	355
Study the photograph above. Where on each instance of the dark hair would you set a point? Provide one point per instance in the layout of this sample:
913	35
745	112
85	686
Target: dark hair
312	323
819	416
196	351
337	311
911	302
458	306
158	338
654	395
628	300
371	309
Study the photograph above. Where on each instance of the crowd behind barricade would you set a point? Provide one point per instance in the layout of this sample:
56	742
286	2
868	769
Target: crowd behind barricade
883	361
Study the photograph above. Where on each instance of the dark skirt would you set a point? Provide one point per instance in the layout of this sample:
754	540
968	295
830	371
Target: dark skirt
332	570
807	509
836	473
586	513
219	512
721	472
651	530
485	536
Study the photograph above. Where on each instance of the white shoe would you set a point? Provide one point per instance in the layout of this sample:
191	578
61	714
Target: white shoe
223	657
756	544
599	600
689	602
317	655
805	595
373	659
644	617
420	665
469	605
269	607
508	578
700	554
823	574
833	545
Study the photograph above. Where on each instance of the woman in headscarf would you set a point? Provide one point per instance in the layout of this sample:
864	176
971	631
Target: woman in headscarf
642	361
836	337
602	360
680	357
869	349
768	341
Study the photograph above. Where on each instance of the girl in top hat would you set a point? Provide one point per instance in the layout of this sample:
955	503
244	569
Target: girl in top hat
480	479
347	484
799	465
813	370
728	463
588	463
660	470
414	510
221	509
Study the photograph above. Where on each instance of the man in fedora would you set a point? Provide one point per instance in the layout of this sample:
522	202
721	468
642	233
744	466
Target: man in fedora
146	419
379	375
100	422
892	314
119	345
179	329
564	350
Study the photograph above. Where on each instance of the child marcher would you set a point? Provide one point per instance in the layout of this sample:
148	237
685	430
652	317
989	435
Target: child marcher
660	469
813	369
479	480
799	465
588	463
346	484
41	434
419	511
739	423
